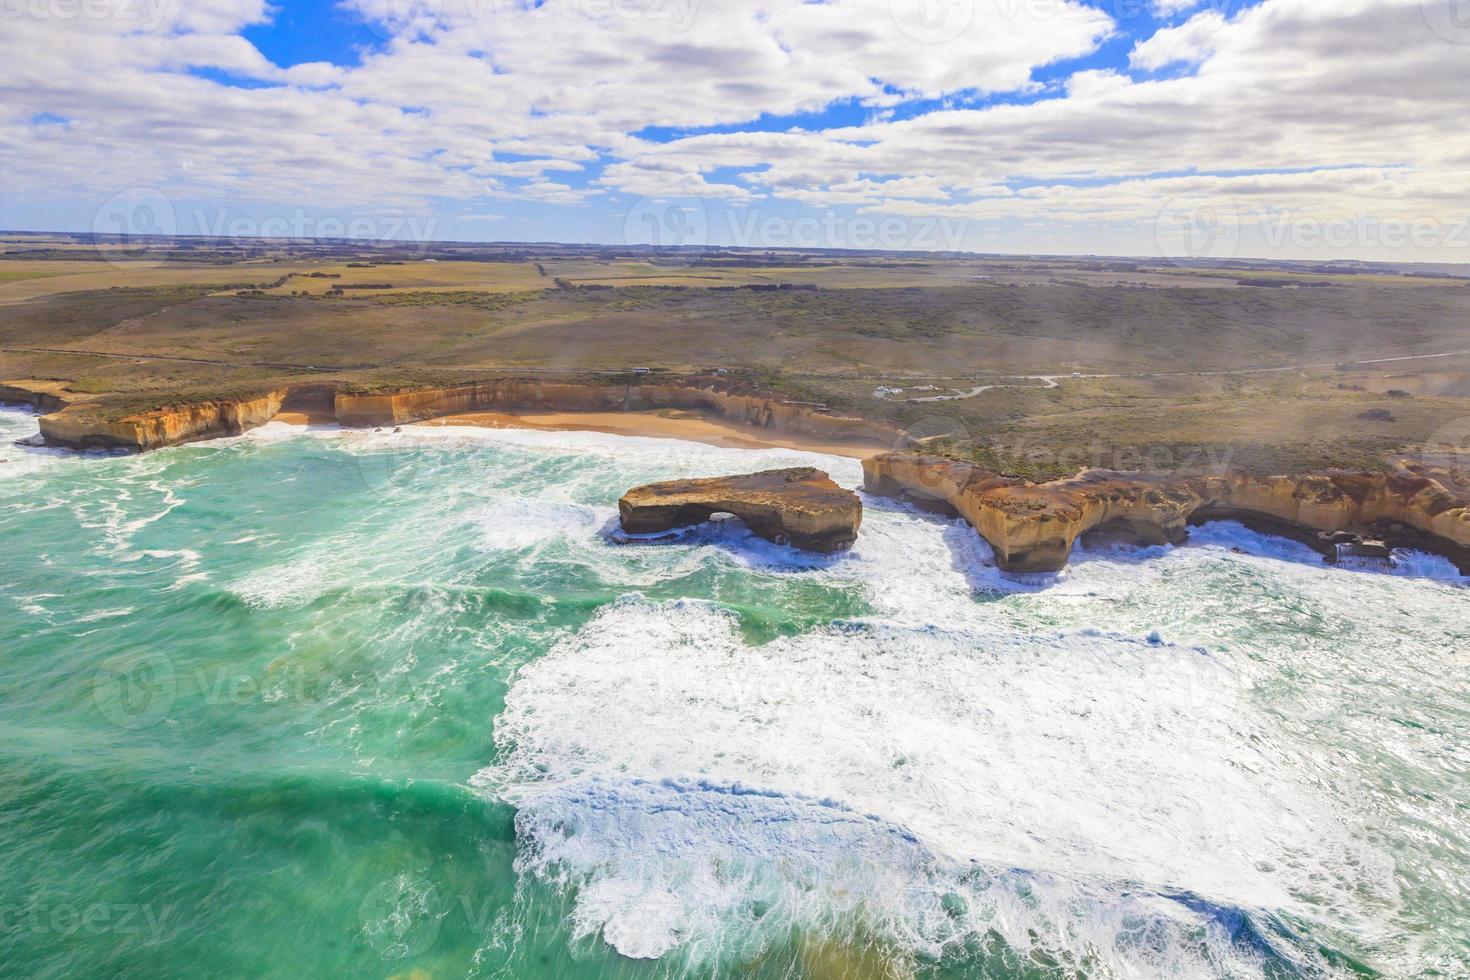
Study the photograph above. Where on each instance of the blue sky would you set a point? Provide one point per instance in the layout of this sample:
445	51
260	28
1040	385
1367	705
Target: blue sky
314	30
1104	126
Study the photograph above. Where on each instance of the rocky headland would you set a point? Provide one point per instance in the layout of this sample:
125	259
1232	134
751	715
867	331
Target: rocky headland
1033	527
84	426
801	507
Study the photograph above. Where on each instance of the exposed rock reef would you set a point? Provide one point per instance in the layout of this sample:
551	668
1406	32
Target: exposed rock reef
801	507
1033	527
86	424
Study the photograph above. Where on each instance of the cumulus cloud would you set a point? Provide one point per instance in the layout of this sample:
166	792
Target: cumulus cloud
1285	106
1190	43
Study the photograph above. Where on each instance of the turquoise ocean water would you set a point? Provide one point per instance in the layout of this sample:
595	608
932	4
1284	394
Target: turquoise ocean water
373	705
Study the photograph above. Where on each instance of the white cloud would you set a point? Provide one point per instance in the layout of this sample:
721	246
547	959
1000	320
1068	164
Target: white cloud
1286	89
1189	43
1354	106
1165	8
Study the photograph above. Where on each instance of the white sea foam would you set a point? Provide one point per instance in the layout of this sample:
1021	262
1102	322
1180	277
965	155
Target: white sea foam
281	431
1229	535
19	422
31	604
1084	766
1098	763
294	583
654	454
102	614
516	524
707	872
1098	795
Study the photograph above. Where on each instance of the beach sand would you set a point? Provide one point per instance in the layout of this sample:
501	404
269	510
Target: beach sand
665	424
662	425
306	418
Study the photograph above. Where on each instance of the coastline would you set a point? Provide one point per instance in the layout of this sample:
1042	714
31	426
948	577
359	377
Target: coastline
701	409
664	424
1410	504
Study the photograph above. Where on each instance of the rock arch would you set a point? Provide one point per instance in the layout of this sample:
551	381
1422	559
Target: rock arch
801	507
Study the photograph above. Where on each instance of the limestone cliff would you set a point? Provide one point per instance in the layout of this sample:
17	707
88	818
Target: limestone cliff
750	408
1033	527
88	424
82	425
801	507
43	396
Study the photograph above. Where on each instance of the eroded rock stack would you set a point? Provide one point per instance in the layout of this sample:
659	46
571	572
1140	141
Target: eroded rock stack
801	507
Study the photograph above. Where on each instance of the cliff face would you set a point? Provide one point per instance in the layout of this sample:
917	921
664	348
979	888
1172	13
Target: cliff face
428	403
762	411
43	396
801	507
80	427
1033	527
83	426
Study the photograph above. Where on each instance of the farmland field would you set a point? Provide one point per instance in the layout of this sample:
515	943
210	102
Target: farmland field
1031	364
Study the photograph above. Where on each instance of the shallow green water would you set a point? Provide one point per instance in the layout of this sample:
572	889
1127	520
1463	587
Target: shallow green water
358	704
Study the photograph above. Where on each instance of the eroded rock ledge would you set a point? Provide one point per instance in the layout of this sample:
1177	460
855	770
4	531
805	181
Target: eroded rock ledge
1033	527
801	507
85	424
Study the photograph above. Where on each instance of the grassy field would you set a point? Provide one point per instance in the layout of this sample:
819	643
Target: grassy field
1147	366
21	282
417	276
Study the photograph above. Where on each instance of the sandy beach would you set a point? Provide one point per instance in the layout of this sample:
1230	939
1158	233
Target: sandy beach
305	418
669	424
660	425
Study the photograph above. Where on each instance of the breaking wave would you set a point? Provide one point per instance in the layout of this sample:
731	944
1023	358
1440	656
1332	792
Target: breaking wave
1099	800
